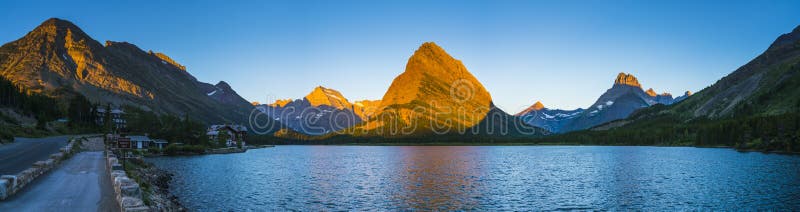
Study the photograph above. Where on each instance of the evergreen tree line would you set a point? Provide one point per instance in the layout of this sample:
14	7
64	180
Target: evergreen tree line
172	128
40	106
755	132
761	132
82	116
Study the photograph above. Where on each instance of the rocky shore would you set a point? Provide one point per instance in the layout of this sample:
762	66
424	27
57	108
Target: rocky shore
155	185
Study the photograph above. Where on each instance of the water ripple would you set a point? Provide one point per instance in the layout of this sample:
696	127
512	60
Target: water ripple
345	178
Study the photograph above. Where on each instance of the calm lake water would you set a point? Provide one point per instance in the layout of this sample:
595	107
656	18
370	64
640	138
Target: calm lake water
313	178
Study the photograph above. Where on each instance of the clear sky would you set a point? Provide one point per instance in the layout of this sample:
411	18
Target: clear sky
564	53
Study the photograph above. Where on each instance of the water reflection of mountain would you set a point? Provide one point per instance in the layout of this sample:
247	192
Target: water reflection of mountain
440	178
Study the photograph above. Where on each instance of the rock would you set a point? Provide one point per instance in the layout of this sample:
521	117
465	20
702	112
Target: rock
131	190
116	166
627	79
5	189
117	173
122	180
113	160
27	176
131	202
11	179
57	156
127	187
41	164
136	209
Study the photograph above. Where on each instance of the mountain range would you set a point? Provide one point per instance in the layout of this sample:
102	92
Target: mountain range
623	98
756	107
434	95
322	111
59	59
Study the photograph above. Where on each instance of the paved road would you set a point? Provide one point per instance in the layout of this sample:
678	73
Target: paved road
23	152
80	184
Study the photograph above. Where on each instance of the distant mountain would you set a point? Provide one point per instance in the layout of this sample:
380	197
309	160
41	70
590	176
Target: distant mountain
436	94
57	58
756	107
322	111
552	120
625	96
685	95
223	93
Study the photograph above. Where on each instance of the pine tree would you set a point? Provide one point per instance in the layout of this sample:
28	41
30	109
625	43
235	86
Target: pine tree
107	120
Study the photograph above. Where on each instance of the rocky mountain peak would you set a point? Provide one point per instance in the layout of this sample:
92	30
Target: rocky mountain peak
57	34
55	25
431	64
326	96
538	105
651	92
666	94
688	93
58	58
535	107
433	79
626	79
223	85
281	103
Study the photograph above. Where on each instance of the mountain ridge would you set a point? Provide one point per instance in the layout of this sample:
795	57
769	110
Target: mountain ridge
57	58
623	98
436	95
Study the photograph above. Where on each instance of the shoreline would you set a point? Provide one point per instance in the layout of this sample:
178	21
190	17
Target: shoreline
538	144
155	183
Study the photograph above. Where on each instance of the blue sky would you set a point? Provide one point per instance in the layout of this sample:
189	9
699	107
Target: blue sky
563	53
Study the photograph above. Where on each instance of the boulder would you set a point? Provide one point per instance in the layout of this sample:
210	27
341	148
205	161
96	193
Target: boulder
130	202
57	156
42	164
50	163
27	176
130	190
112	160
116	166
121	181
5	189
117	173
11	179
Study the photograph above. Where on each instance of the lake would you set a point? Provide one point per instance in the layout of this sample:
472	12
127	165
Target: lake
313	178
